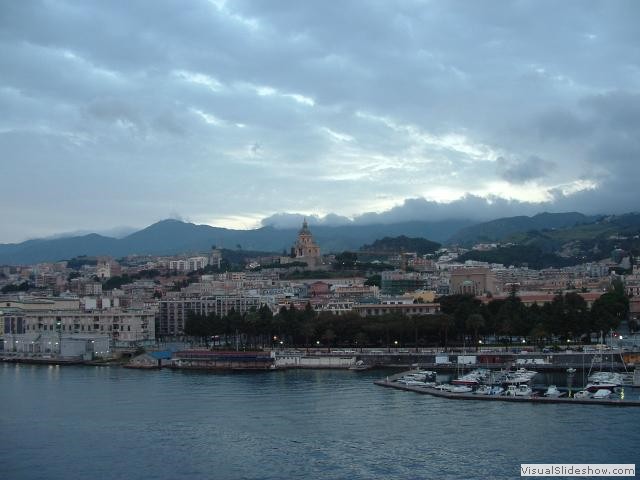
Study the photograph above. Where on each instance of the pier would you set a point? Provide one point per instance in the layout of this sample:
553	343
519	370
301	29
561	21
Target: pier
389	382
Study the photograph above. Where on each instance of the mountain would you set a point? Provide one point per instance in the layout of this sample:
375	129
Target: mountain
498	230
169	237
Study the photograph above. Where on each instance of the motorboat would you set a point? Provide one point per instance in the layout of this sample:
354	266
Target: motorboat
431	375
521	375
473	378
496	390
461	389
415	376
571	370
595	386
519	390
523	391
610	377
582	394
445	387
359	365
417	383
483	390
553	392
601	394
511	391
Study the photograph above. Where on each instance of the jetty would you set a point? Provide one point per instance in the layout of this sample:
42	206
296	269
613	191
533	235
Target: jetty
390	382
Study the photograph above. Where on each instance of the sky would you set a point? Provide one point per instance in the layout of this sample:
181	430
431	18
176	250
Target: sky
246	113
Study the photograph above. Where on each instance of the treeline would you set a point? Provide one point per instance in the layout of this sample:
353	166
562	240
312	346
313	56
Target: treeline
421	246
521	255
463	319
567	317
20	287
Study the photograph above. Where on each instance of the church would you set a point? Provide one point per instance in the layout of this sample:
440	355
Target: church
305	249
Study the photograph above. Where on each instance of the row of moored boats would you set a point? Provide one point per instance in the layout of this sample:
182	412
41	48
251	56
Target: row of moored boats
481	381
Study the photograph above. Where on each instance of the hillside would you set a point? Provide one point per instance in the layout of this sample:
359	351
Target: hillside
567	246
501	228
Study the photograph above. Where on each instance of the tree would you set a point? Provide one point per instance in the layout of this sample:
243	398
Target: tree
345	261
475	322
329	336
608	311
445	324
374	280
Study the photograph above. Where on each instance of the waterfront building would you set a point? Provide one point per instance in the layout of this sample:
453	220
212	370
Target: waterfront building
173	313
36	320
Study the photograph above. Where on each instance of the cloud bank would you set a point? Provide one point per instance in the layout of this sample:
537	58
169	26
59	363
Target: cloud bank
119	113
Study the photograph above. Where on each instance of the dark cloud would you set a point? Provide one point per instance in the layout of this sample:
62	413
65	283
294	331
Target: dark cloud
523	170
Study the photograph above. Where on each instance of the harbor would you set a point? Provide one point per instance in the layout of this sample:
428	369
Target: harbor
517	391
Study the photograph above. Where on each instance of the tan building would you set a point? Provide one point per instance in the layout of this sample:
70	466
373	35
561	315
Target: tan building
305	249
471	281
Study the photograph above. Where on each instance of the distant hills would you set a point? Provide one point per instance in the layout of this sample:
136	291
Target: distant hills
566	234
500	229
169	237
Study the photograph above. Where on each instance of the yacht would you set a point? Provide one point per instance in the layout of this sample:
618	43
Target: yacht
552	392
595	386
521	375
483	390
497	390
582	394
602	394
461	389
473	378
359	365
524	391
519	390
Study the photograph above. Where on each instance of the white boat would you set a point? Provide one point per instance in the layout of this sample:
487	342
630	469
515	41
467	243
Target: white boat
359	365
511	391
431	375
582	394
497	390
461	389
523	391
521	375
483	390
595	386
416	383
602	394
415	376
519	391
552	392
610	377
571	370
445	387
473	378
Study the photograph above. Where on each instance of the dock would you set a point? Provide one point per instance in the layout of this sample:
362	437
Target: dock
434	392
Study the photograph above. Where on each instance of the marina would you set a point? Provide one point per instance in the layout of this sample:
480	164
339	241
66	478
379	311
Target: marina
521	393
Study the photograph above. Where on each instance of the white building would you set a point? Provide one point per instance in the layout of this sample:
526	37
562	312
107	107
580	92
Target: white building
44	320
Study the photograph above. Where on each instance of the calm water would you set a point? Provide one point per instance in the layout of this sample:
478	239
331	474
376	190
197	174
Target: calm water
113	423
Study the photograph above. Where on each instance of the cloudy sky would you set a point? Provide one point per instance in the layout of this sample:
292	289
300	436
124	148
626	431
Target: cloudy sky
122	113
